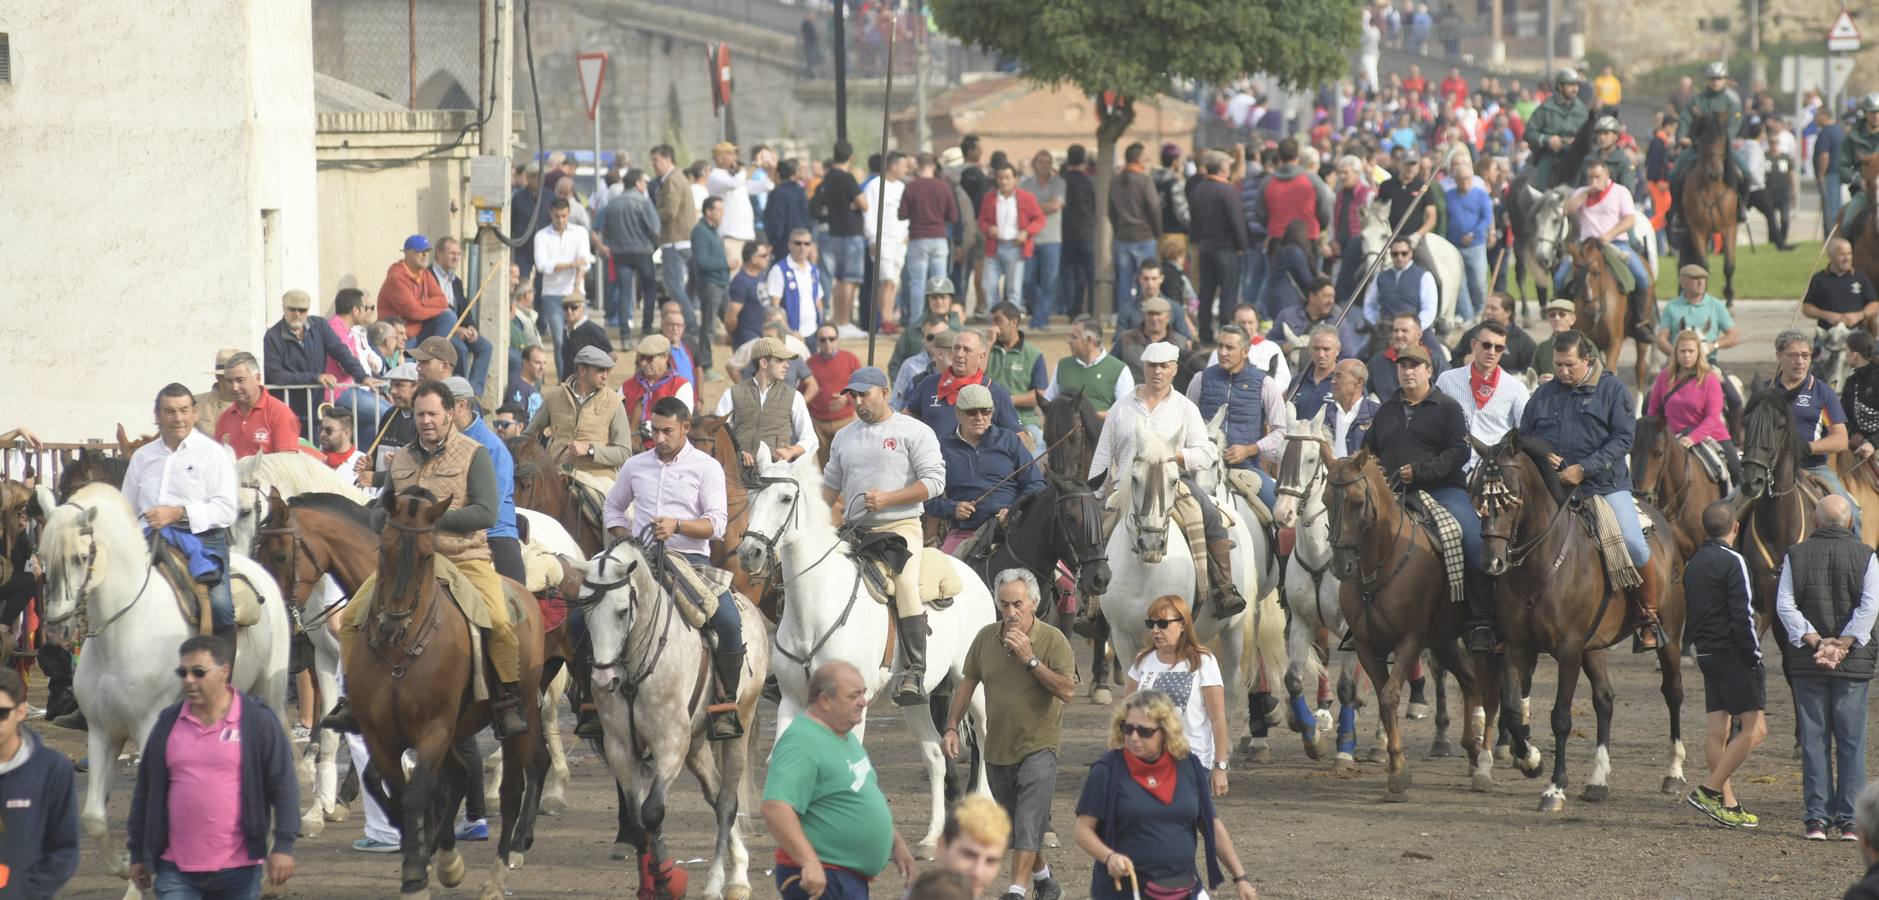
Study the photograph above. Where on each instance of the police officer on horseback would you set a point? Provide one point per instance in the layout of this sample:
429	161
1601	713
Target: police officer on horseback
1552	128
1585	414
1715	98
1862	141
1420	438
1605	151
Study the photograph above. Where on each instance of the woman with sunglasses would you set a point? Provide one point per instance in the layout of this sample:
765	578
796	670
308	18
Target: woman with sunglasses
1176	664
1142	807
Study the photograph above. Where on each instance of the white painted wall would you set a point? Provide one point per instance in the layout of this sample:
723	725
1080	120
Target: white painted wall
139	144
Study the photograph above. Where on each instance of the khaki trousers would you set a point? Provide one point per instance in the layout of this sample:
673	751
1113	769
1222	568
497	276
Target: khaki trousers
825	436
907	580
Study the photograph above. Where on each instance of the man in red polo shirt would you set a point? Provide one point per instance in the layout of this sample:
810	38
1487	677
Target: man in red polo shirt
257	422
830	410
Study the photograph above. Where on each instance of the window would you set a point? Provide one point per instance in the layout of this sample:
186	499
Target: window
6	60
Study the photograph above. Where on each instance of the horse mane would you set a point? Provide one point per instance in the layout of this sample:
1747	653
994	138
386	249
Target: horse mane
1062	416
1650	430
1536	451
338	505
291	471
1575	153
117	520
1771	401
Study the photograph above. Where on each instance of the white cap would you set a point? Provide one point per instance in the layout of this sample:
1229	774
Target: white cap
1160	352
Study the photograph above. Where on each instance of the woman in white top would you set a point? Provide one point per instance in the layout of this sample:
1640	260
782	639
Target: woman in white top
1177	665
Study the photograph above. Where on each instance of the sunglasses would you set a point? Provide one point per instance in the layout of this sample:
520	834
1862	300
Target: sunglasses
6	711
1493	348
1140	731
371	306
1397	255
1159	624
197	672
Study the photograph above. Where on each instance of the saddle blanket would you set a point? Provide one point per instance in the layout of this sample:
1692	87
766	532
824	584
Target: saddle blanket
469	601
1620	266
696	589
939	583
1611	545
543	572
1709	453
1447	531
1246	484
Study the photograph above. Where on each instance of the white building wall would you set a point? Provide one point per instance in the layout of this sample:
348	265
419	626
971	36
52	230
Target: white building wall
138	145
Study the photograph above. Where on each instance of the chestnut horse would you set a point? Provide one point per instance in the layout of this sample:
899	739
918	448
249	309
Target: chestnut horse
542	486
1866	249
1553	597
1665	472
1602	306
408	678
713	436
1394	596
1706	203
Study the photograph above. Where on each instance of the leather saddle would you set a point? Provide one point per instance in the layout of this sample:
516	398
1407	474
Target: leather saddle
192	595
880	555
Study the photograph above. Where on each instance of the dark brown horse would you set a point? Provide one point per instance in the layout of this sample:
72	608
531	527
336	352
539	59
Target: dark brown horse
1666	474
1866	248
1603	305
1394	596
408	679
541	485
1706	203
713	436
1553	598
1071	427
1777	496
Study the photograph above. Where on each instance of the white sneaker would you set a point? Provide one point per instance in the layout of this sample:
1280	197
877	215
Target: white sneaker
850	331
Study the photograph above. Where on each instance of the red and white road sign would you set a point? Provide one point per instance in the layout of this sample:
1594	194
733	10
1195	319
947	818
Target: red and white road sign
718	58
593	71
1844	36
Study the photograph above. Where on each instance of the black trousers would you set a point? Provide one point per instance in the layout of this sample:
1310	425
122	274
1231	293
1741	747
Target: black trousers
1219	277
1076	278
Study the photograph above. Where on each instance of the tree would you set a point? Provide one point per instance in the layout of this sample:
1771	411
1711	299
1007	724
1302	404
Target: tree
1119	50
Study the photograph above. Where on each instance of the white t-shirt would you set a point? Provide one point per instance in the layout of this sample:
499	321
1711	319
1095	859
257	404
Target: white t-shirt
1183	687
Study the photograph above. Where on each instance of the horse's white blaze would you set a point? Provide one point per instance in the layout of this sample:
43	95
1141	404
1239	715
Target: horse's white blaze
1676	759
1601	766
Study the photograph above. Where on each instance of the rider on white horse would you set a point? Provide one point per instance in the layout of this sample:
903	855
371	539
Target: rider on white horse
677	492
183	487
891	464
1156	405
1257	414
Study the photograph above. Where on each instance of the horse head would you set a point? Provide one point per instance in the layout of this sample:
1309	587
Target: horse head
613	587
1301	468
1375	232
1153	475
281	551
1711	136
1211	477
1770	444
537	481
1351	491
406	560
81	540
1869	173
1079	514
1549	226
1503	490
775	509
1650	453
713	436
1071	427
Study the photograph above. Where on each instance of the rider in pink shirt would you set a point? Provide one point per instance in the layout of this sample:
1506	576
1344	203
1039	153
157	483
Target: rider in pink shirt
1688	395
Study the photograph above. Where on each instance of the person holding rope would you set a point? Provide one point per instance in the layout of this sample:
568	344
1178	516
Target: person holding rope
987	475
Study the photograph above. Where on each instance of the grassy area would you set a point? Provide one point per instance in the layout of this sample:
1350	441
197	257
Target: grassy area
1765	274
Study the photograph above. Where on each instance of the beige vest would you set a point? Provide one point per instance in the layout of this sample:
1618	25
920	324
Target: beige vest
445	473
764	420
573	421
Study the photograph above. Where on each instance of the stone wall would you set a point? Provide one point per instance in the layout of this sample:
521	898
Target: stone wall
1646	36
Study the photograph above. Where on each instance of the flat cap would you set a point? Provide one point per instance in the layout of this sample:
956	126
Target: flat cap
1160	352
1157	305
1413	353
1561	303
594	356
435	347
1693	271
946	340
973	396
402	372
653	345
771	348
296	299
460	387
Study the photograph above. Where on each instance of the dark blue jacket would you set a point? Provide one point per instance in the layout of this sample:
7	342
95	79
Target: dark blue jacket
924	403
786	211
1351	342
1721	619
302	361
40	843
970	470
1588	426
268	783
1240	393
1366	416
1288	270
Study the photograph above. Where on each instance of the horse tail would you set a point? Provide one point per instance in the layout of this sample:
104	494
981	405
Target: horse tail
1265	639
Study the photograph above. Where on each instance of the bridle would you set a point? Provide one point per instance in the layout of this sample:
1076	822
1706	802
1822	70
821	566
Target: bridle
1368	584
1151	537
1089	537
299	589
1547	238
1496	500
83	600
1289	484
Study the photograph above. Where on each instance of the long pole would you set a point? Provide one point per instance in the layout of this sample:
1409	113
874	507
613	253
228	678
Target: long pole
492	319
411	49
600	261
841	70
880	208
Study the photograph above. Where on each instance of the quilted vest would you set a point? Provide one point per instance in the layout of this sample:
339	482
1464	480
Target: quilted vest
1097	382
1245	422
445	473
575	421
761	419
1827	571
1399	291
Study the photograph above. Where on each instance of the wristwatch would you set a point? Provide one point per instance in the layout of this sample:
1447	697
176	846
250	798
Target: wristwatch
1220	765
1032	663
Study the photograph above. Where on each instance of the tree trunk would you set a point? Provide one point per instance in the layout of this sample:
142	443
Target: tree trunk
1113	122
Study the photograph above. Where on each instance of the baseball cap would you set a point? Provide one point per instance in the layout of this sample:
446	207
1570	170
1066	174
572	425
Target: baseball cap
296	299
594	356
222	357
417	242
1413	353
459	387
1157	305
973	396
402	372
865	378
435	347
653	345
1160	352
1693	271
1561	303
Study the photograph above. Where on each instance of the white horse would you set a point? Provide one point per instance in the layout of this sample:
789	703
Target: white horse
98	564
1148	558
1267	654
1311	592
651	688
828	615
1433	253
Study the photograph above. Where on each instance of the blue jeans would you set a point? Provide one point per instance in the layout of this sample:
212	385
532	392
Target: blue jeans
1830	709
1253	280
674	267
171	883
725	623
843	884
1474	263
1006	263
1131	256
927	258
368	410
1832	198
845	257
1832	478
636	283
473	360
220	600
1632	259
1625	510
1268	487
1040	282
1455	500
552	321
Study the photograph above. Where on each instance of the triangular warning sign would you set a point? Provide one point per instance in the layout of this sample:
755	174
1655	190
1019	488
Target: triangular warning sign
593	68
1843	27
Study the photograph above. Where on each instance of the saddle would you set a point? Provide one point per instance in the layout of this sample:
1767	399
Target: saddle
467	599
589	493
879	555
696	589
1246	484
192	596
1602	524
543	574
1446	532
1709	453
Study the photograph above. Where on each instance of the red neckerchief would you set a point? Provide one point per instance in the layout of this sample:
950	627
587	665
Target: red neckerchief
1258	339
1137	168
1390	354
336	459
950	386
1483	388
1157	778
1592	199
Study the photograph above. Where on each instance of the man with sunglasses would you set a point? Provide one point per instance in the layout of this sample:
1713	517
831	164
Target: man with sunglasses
1491	400
830	410
216	770
796	285
1400	287
986	475
39	846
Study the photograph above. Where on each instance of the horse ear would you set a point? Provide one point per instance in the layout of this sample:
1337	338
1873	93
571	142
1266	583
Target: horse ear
1317	419
48	501
123	439
1480	448
91	514
763	454
274	495
1220	415
436	511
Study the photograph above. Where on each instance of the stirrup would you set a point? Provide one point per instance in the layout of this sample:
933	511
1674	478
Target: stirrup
1228	602
587	724
1657	638
772	691
340	719
910	689
1480	639
722	722
506	716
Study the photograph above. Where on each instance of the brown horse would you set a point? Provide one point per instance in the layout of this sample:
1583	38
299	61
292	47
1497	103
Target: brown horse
713	436
1866	249
1777	498
542	486
1602	305
1394	596
1663	470
1553	598
408	678
1706	203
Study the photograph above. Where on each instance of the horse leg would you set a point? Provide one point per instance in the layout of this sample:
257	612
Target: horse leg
1304	670
1493	681
1102	669
418	801
1670	673
1525	755
1449	654
721	793
1346	721
1441	747
669	881
1728	266
920	723
452	787
554	793
102	748
1553	798
1597	787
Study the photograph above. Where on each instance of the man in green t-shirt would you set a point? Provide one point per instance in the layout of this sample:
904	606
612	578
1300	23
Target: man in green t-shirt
821	801
1016	365
1028	670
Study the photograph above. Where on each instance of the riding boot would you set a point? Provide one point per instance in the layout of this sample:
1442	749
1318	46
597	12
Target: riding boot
1649	634
340	719
772	691
1478	589
910	690
723	723
1227	599
587	718
1089	616
507	713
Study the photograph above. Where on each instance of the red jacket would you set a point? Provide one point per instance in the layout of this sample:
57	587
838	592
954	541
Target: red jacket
640	397
414	298
1030	219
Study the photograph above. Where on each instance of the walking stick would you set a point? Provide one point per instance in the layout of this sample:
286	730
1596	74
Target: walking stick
467	310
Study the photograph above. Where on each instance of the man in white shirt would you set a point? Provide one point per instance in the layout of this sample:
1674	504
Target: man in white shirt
892	236
1490	399
562	256
183	485
794	284
1350	410
732	184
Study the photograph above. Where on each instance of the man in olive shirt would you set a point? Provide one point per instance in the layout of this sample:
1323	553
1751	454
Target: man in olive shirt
1028	670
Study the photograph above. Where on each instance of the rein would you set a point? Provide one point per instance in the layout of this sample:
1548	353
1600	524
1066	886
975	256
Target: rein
1369	585
84	589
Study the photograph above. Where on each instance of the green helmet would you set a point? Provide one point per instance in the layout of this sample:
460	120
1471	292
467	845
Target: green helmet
1869	103
1607	123
1716	70
1566	77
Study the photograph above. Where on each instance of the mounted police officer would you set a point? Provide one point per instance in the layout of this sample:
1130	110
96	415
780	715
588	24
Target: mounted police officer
1862	141
1553	127
1257	414
1585	414
1605	150
1716	97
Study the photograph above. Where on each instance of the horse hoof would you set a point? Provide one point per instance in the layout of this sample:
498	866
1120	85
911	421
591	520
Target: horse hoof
339	813
1532	765
1396	796
1259	754
312	824
1674	785
1374	754
1441	750
1102	696
1343	764
1418	711
1552	802
1481	784
419	894
1596	793
1503	754
621	851
737	892
926	850
553	806
1399	783
515	859
450	868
